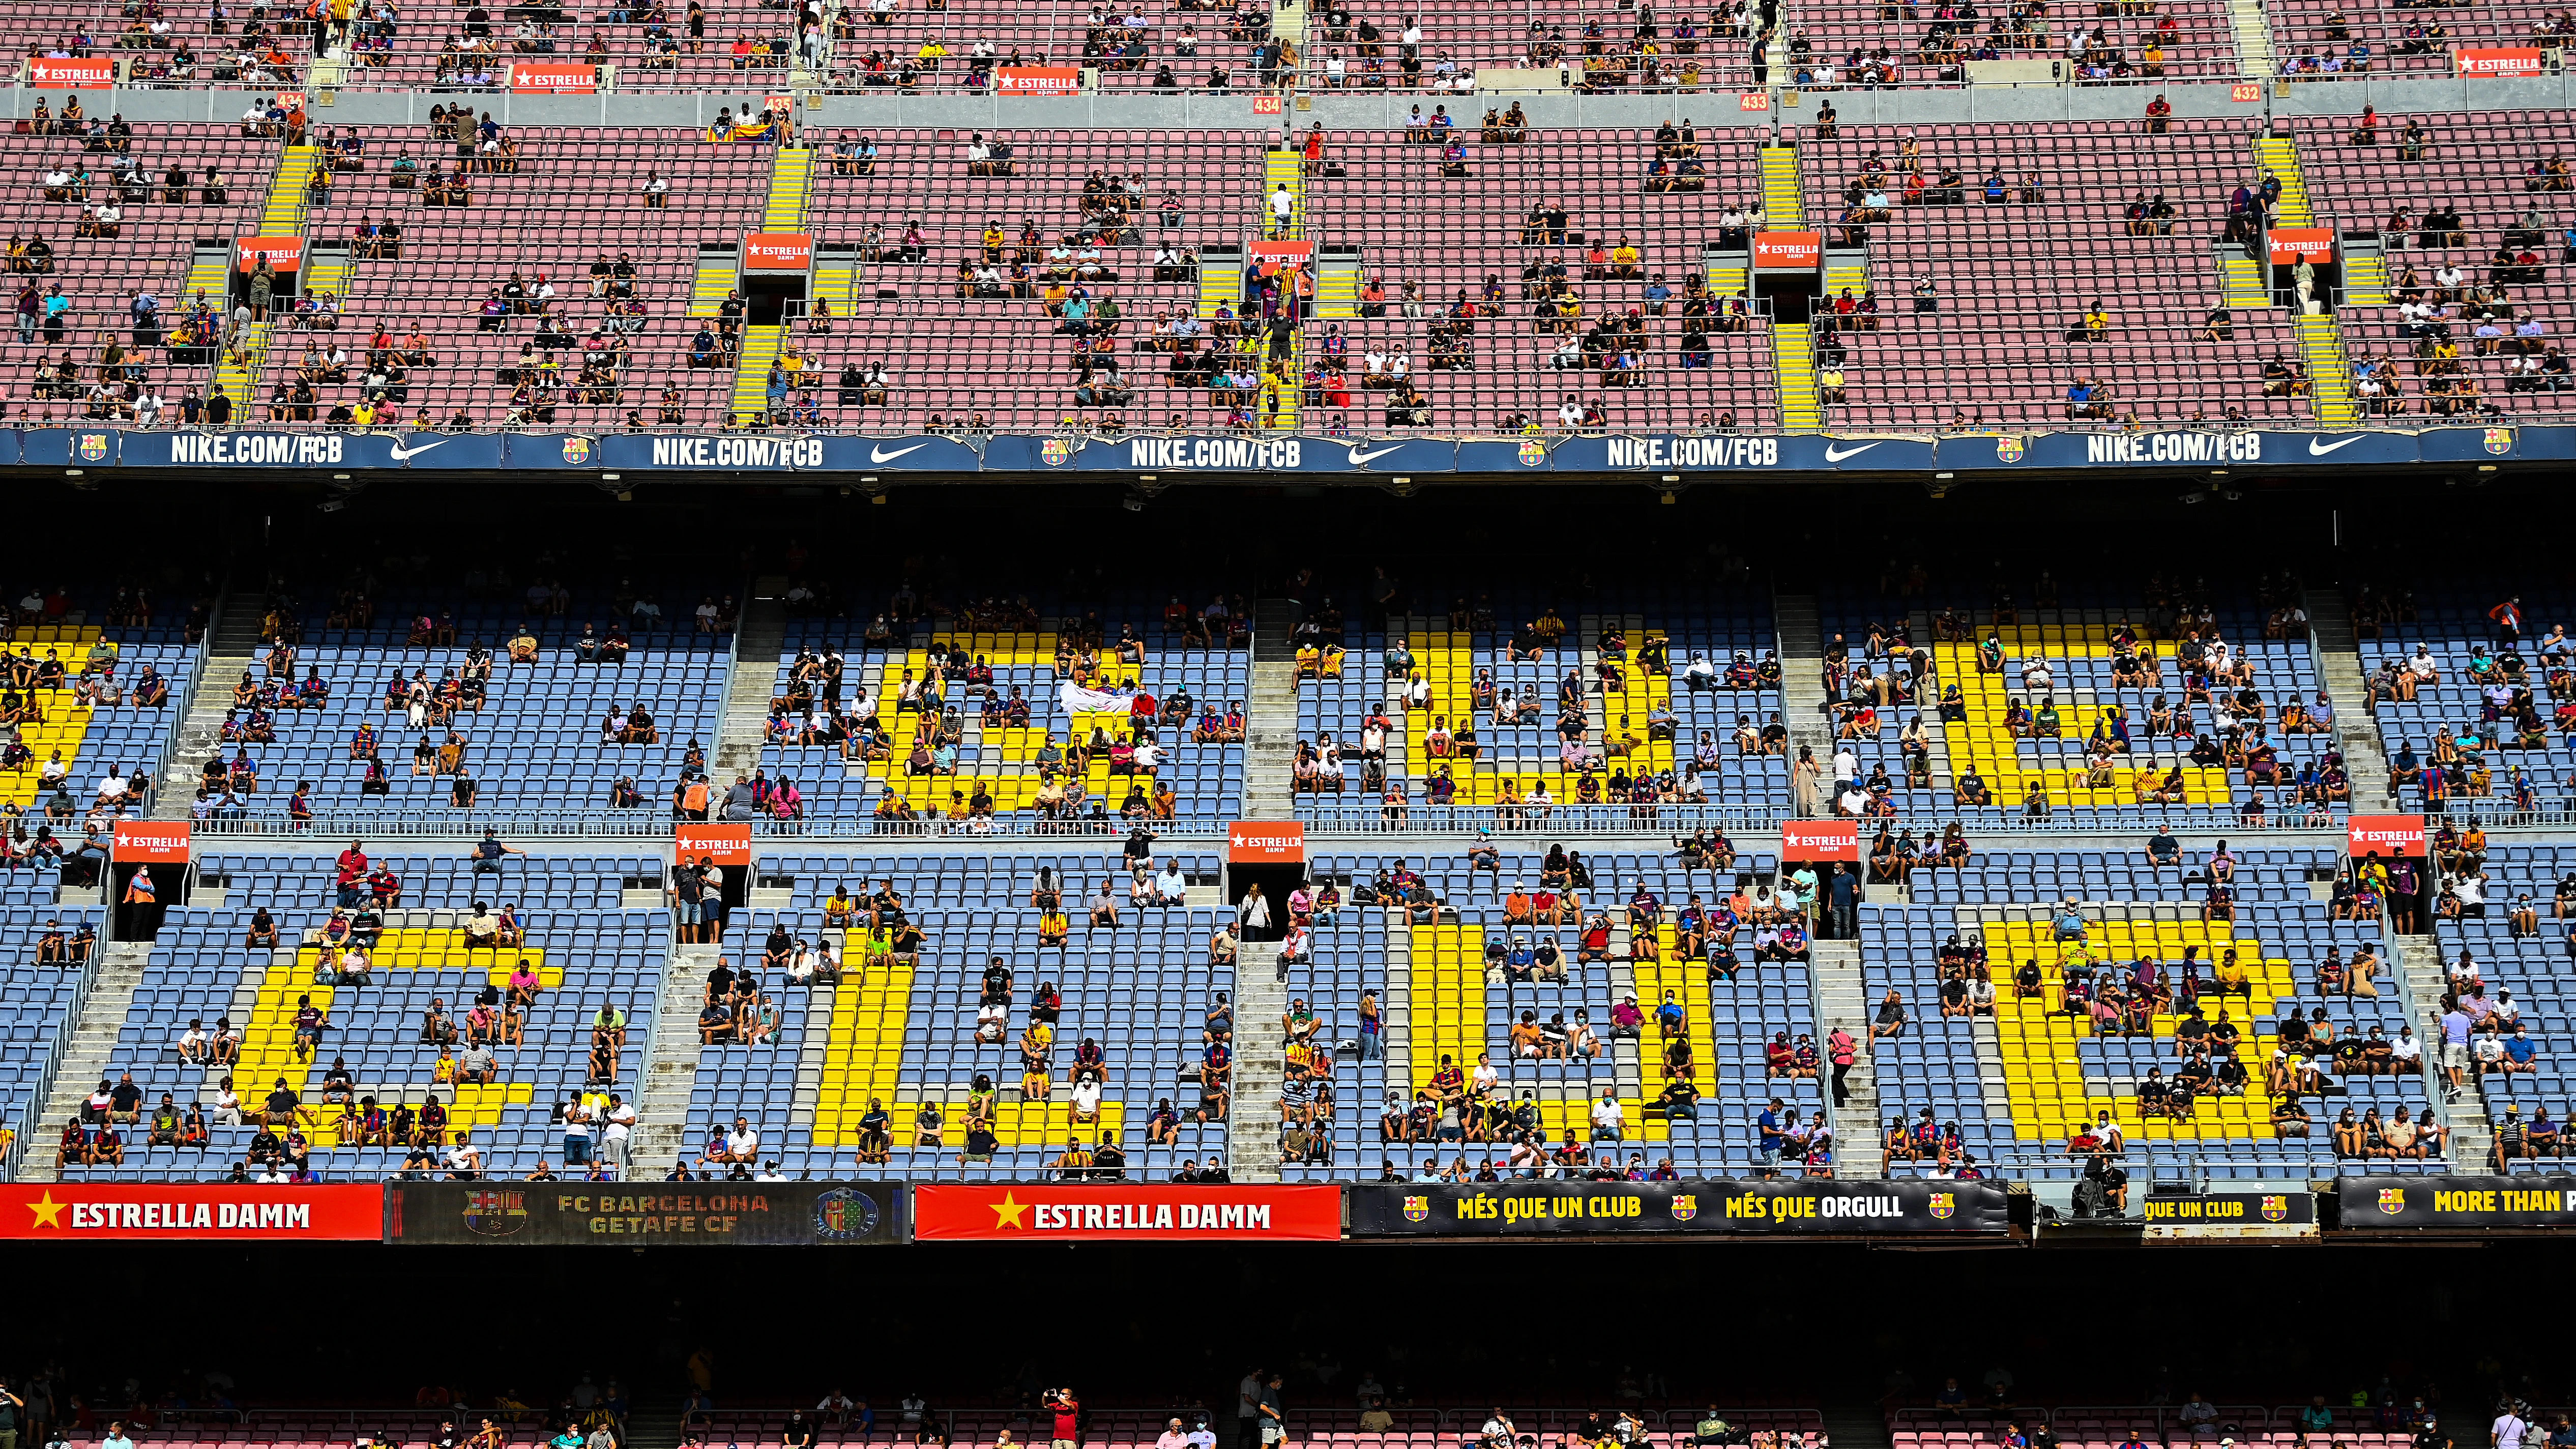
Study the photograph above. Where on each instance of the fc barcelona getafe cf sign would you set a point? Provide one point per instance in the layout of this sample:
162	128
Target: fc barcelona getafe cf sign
642	1214
1710	1208
2379	1204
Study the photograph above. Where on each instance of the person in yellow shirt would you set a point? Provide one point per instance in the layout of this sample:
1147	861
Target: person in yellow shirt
2233	978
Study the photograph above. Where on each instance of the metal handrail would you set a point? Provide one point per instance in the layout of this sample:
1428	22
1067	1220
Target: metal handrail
1415	818
183	694
66	1028
655	825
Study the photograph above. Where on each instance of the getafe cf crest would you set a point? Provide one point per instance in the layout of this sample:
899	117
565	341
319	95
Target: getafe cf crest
1944	1204
576	451
2499	441
1056	452
2008	450
843	1213
1416	1209
1685	1209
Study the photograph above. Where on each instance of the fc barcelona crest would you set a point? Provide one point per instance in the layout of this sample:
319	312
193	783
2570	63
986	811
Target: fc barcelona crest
1417	1209
2008	450
2392	1200
496	1213
2499	441
1944	1205
2275	1209
93	447
1685	1208
576	451
1532	452
1056	452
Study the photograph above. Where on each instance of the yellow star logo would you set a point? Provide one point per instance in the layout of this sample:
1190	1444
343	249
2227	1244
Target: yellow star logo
49	1213
1006	1213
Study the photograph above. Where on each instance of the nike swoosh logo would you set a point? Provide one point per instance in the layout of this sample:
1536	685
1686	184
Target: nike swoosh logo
2319	447
880	455
1836	455
1359	456
403	454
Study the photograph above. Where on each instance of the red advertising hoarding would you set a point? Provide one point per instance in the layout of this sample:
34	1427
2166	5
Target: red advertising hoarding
95	73
153	842
1063	1212
2387	836
1819	840
348	1212
777	251
553	78
2291	243
1265	841
1038	80
729	844
1788	250
284	253
2504	63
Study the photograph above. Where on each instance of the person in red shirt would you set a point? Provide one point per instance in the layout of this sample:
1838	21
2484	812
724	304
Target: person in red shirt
2508	622
353	869
1068	1418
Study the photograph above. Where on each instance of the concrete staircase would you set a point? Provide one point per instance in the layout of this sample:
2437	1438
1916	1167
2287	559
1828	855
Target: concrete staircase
1855	1426
653	1426
89	1055
1802	676
2419	980
232	646
2242	278
1793	373
2365	756
2365	272
2320	339
281	215
757	637
719	272
1841	1001
2245	20
2329	370
1270	747
662	1122
1252	1123
1784	205
761	345
1286	168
